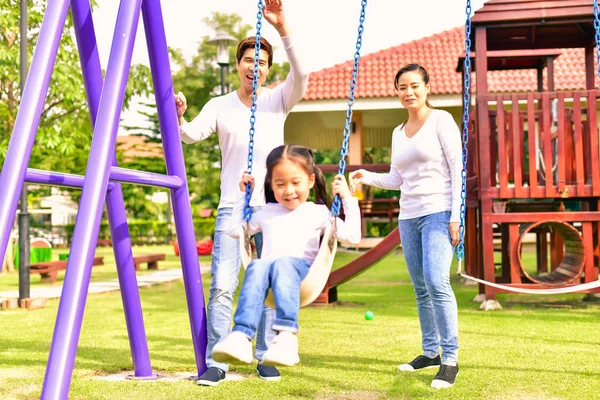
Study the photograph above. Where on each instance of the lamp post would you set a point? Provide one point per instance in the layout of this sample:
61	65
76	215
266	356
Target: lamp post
24	256
222	41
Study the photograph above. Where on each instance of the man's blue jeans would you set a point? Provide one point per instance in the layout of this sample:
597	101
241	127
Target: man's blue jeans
284	276
225	268
428	251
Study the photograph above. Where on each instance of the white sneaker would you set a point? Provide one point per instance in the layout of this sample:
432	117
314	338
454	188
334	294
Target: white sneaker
283	350
235	348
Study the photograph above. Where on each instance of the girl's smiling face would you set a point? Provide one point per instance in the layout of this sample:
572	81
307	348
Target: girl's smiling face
291	184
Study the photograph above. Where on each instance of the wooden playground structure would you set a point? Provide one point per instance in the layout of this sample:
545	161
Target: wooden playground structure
533	156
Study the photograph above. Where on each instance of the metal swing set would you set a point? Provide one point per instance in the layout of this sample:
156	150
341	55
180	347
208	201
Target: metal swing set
101	184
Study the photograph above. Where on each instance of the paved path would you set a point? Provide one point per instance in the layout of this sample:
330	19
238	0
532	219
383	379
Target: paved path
150	279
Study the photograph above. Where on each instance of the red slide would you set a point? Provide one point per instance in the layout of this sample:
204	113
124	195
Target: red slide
358	266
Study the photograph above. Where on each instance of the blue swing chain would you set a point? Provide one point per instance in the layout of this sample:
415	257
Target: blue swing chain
460	248
337	204
259	15
597	26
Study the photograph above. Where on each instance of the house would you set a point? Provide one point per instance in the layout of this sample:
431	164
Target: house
134	146
319	119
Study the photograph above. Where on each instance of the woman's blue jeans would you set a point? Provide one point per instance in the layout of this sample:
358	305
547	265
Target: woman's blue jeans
284	276
428	251
225	268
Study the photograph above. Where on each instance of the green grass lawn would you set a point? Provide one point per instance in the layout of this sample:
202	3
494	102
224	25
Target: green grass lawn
100	273
536	348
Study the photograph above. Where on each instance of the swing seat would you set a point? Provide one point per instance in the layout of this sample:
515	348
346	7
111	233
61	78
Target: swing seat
314	282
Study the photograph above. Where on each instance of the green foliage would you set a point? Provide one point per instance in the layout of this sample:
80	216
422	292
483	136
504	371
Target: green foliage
138	198
150	231
64	135
277	73
377	229
64	128
204	227
371	156
200	80
375	155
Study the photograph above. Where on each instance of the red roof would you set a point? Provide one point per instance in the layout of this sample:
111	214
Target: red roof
135	146
439	55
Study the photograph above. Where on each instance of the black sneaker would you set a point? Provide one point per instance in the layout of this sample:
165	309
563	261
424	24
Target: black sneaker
267	372
421	362
211	377
445	377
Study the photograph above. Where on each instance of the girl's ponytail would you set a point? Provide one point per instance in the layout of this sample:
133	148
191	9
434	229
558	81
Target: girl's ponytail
320	187
269	195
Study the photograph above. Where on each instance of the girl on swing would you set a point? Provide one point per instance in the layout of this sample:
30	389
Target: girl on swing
291	227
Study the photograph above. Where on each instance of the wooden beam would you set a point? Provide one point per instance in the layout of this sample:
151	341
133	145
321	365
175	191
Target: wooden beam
483	118
540	79
481	61
581	216
590	73
550	73
356	142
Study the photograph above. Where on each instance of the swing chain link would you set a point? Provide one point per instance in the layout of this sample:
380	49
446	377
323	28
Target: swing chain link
460	248
597	27
259	15
336	205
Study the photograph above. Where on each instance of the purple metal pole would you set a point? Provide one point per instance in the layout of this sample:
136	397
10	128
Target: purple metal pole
85	236
134	319
116	174
115	205
167	115
28	118
145	178
53	178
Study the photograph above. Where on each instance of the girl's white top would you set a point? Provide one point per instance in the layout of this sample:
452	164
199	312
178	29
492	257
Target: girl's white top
230	118
427	168
296	233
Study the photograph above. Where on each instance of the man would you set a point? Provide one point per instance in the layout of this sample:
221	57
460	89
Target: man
229	117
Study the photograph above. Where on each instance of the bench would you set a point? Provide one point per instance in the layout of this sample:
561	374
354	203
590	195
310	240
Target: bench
151	259
49	269
104	243
386	210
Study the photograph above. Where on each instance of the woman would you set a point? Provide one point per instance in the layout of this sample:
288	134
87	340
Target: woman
426	167
229	117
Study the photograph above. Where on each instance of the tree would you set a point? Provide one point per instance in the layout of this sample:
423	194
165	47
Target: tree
64	135
62	127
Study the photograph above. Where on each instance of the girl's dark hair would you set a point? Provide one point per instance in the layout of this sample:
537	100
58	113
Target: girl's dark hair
412	68
301	156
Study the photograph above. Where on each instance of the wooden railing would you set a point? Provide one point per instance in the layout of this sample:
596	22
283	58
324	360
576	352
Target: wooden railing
530	151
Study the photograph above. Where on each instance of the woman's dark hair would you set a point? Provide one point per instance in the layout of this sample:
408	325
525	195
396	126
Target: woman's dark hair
250	43
413	68
301	156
